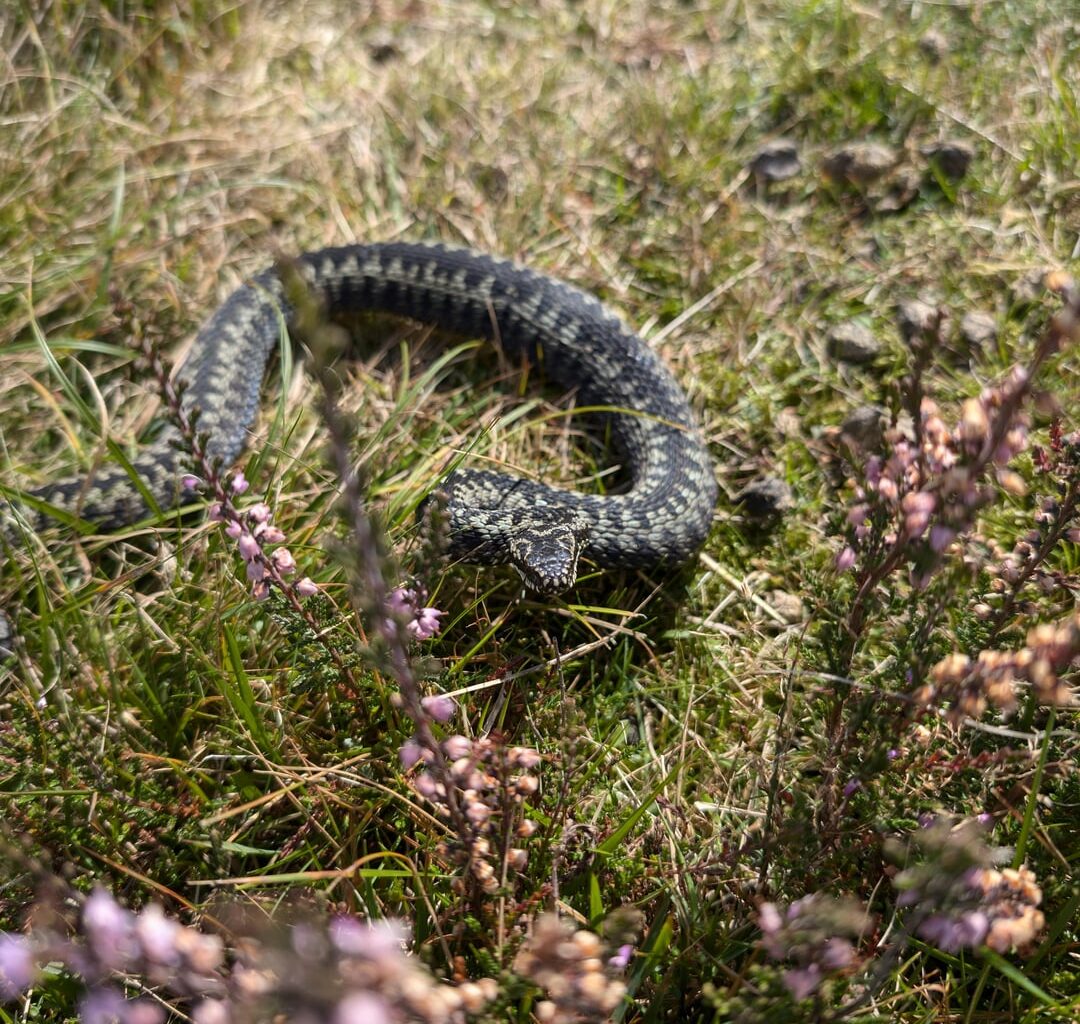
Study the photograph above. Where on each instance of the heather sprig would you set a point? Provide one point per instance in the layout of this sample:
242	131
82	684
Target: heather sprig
955	897
338	970
569	966
925	492
490	782
815	936
968	685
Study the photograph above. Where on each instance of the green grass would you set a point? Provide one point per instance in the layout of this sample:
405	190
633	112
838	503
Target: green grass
163	734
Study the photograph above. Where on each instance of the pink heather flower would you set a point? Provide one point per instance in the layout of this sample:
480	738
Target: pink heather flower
426	623
401	601
802	982
256	571
440	707
110	929
362	1008
427	786
249	546
17	967
284	561
211	1011
306	587
457	747
190	482
157	935
851	786
259	512
375	940
261	590
769	919
239	483
216	514
846	559
410	752
941	537
234	528
269	534
857	514
622	957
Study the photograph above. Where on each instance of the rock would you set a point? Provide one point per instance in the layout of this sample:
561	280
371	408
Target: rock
951	157
860	163
901	189
853	342
978	328
765	497
934	45
777	160
789	607
918	320
865	426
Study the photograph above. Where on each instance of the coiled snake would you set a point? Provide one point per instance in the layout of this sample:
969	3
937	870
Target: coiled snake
662	517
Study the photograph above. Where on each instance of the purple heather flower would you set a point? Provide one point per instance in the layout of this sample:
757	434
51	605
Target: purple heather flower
283	561
17	965
426	623
269	534
239	483
107	1005
261	590
375	940
440	707
410	752
892	754
851	786
620	960
846	559
234	528
110	929
256	571
190	482
941	537
362	1008
401	601
211	1011
157	935
216	513
456	747
259	512
249	546
306	587
802	982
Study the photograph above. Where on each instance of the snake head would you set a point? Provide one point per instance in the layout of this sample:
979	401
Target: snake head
545	548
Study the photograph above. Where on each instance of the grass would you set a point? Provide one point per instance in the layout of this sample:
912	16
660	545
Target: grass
164	735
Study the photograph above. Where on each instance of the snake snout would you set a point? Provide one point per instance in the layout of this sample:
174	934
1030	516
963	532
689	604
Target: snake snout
545	549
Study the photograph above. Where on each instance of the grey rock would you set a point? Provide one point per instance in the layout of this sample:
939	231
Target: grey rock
853	342
978	328
865	426
918	319
951	157
860	163
765	497
777	160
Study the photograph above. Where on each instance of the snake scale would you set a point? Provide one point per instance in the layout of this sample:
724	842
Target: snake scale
661	518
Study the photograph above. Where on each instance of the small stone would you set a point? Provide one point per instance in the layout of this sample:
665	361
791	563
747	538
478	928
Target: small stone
860	163
901	189
934	45
865	426
951	157
918	320
978	328
789	607
777	160
853	342
765	497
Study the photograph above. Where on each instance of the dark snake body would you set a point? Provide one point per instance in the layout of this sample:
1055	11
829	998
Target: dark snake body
661	519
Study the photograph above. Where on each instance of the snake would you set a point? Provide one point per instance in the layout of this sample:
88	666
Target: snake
661	515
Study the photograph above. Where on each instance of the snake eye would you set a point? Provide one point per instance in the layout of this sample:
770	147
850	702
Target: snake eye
545	549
